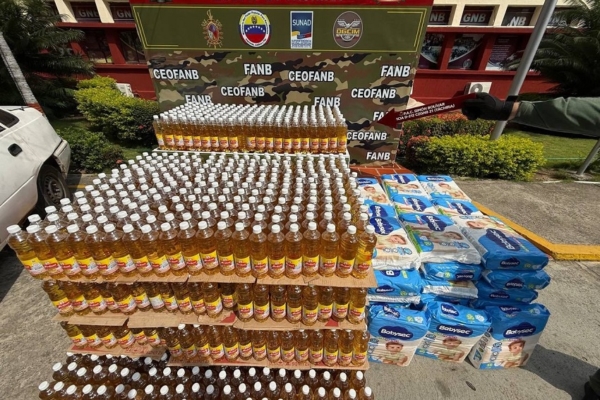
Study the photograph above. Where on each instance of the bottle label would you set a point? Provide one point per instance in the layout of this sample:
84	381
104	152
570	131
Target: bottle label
278	312
160	265
274	355
127	304
197	142
242	265
93	340
126	340
333	144
364	266
98	304
288	355
233	352
142	300
287	144
34	266
63	305
316	356
345	358
160	140
157	302
205	142
269	143
340	310
199	307
176	261
226	263
314	144
323	144
296	144
325	311
357	313
142	264
79	303
193	263
185	304
261	313
209	260
214	142
70	266
169	140
111	303
246	350
309	316
153	340
342	144
228	301
305	144
179	140
176	350
277	267
345	266
79	340
188	141
250	142
293	266
331	357
233	142
204	351
170	303
260	142
140	337
261	267
107	266
88	266
359	357
259	352
246	311
294	314
109	340
301	355
328	265
223	142
277	144
217	352
310	264
52	266
126	263
190	352
214	307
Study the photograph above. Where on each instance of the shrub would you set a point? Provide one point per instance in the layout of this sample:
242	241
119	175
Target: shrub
90	151
509	157
117	116
448	124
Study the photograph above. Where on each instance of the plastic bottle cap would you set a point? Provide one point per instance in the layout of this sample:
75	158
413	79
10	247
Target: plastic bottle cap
97	369
33	229
326	375
237	373
297	374
122	214
102	219
351	229
242	215
288	388
208	373
164	390
273	385
337	392
330	228
202	225
81	371
51	229
132	394
239	226
113	368
12	229
44	385
343	377
222	375
210	389
127	228
162	209
101	390
184	225
149	389
165	226
195	388
109	228
256	229
52	217
368	391
87	389
252	371
242	388
71	390
305	390
120	388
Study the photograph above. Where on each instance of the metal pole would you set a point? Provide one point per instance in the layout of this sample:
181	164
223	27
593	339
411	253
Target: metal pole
589	159
528	55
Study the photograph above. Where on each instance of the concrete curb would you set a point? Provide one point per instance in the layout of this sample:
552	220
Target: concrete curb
573	252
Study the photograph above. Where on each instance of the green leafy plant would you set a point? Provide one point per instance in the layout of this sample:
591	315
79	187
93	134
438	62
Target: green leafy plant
90	151
467	155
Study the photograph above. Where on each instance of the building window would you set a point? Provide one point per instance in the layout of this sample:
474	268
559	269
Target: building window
95	47
518	16
440	15
464	51
121	12
479	16
131	47
85	12
430	52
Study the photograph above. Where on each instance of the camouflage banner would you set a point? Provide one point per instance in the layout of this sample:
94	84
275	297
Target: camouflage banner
362	59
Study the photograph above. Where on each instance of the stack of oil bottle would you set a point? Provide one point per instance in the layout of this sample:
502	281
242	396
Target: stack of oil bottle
252	128
93	377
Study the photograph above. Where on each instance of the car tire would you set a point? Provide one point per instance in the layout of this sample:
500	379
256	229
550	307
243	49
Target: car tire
52	187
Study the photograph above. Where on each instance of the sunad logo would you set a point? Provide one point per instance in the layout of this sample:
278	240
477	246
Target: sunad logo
448	309
384	289
395	332
464	276
514	284
458	330
523	329
390	310
502	240
511	262
434	223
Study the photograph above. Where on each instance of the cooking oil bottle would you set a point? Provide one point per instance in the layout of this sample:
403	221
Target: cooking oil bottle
294	252
189	248
172	250
92	338
197	298
208	248
106	290
133	244
273	346
346	347
168	297
215	342
245	302
310	305
173	343
348	251
315	351
258	252
329	251
82	253
364	255
17	240
224	248
154	295
140	336
76	297
294	304
356	309
360	346
341	300
245	344
302	344
261	302
101	253
124	336
241	250
228	295
57	240
187	342
37	241
366	393
94	298
113	240
74	334
288	349
201	343
182	294
312	245
259	345
212	299
230	341
124	299
142	302
325	303
154	252
330	347
58	298
107	336
278	302
276	252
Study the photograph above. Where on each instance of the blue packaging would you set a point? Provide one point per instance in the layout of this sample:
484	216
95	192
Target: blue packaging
451	271
504	296
382	211
396	333
396	287
427	298
439	239
459	289
534	280
393	250
410	203
441	186
453	207
499	245
453	331
372	191
403	184
514	333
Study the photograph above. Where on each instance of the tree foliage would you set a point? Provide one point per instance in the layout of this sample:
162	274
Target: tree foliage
42	51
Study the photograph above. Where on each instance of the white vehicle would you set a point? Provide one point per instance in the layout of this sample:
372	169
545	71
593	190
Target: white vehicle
34	162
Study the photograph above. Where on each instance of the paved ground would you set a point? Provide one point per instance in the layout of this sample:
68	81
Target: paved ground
559	212
567	354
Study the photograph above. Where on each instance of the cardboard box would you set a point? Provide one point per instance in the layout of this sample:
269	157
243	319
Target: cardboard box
100	279
336	281
270	325
220	278
166	319
284	280
168	278
106	319
134	351
174	362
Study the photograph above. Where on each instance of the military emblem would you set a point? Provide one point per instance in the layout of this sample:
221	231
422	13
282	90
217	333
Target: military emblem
347	29
213	32
255	28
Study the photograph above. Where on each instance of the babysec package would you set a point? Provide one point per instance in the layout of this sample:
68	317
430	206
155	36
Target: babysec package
534	280
396	287
460	289
439	239
381	211
393	250
396	333
371	191
427	298
452	332
500	246
410	203
494	296
451	271
514	334
403	184
441	186
454	207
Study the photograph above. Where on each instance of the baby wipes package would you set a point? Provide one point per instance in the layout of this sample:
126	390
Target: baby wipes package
453	331
410	203
499	245
439	239
382	211
393	250
495	296
372	191
396	333
453	207
514	333
460	289
535	280
396	287
441	186
403	184
427	298
451	271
